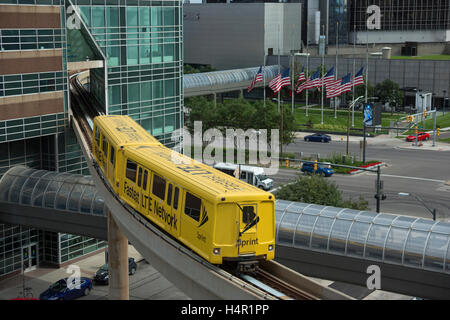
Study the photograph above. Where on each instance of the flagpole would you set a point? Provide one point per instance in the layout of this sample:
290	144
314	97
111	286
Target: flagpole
292	68
353	87
292	81
337	46
307	65
264	78
367	61
323	61
279	66
264	72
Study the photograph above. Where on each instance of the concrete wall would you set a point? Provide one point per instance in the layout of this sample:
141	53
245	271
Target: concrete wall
237	35
402	36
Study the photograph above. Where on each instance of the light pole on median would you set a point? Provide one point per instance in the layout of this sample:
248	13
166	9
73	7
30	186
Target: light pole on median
348	119
406	194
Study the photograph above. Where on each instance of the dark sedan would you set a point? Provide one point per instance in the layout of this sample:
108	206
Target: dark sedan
318	137
61	290
102	274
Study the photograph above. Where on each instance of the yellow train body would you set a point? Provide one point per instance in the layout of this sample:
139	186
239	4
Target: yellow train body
217	216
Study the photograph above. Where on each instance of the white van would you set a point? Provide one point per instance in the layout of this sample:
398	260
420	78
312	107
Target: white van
252	175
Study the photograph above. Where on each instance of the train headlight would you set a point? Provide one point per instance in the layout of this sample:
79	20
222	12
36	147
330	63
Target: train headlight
216	251
270	247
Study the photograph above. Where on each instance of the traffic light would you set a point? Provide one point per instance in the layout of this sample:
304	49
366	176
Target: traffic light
424	113
287	163
408	118
415	130
315	165
438	131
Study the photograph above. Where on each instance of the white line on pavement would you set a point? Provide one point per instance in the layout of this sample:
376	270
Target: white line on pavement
405	177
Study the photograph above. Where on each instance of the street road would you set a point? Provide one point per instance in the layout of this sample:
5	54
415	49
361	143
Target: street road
420	172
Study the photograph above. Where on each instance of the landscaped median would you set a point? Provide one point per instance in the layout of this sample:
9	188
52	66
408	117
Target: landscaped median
371	165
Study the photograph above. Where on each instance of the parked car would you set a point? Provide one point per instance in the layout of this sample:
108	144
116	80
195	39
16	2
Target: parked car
61	290
322	169
420	137
102	274
318	137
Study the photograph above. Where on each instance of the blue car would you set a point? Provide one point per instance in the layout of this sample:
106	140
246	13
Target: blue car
61	290
322	169
318	137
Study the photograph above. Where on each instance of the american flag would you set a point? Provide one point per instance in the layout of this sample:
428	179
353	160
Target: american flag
258	78
301	77
310	83
343	86
328	77
281	80
358	79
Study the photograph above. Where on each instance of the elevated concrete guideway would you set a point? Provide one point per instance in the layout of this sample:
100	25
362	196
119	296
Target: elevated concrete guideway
326	242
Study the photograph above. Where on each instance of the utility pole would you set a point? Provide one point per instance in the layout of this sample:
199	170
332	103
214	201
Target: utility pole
378	189
281	129
434	127
364	143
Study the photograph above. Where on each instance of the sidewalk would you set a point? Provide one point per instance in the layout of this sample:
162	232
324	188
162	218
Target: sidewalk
384	139
41	278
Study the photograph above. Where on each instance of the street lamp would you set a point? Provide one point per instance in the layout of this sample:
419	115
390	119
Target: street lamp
348	118
406	194
281	126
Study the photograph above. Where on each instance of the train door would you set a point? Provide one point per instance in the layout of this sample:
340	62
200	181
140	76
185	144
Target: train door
248	224
130	188
104	154
112	166
142	184
173	203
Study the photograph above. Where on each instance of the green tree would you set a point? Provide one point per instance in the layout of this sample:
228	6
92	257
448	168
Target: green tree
239	114
318	190
389	91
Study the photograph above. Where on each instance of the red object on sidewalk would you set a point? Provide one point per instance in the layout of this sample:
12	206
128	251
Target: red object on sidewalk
365	166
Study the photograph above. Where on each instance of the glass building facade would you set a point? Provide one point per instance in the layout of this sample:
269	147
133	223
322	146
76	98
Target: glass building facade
338	22
142	45
142	42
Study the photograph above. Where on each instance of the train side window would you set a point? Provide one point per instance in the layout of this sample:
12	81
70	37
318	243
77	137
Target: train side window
159	187
169	195
144	181
97	136
192	206
139	177
131	170
105	146
175	198
112	155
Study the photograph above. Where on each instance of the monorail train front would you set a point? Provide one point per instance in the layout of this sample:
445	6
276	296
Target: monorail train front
245	231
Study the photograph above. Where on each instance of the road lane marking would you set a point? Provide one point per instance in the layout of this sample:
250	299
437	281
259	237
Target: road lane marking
405	177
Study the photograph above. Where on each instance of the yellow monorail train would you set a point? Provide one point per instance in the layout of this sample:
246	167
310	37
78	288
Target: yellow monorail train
223	219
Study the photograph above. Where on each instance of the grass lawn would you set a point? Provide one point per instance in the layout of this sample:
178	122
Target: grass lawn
446	140
441	122
427	57
338	124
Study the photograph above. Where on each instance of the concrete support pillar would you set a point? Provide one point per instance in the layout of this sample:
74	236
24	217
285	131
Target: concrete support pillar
117	262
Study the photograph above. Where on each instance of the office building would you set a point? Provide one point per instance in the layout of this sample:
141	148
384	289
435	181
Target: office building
139	45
